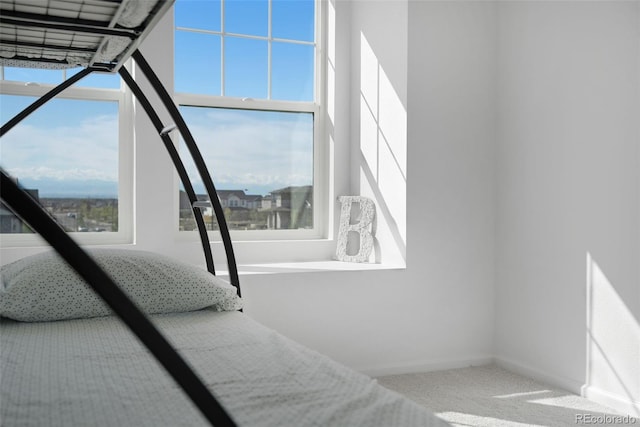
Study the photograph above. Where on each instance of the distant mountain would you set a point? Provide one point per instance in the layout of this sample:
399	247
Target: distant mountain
109	189
257	189
79	189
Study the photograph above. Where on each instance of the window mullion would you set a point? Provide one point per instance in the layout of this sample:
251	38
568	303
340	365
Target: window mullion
269	43
222	42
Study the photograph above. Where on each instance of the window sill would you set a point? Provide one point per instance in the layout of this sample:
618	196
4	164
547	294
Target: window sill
284	256
310	267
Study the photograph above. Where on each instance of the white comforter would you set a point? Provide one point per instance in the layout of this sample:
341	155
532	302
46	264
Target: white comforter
94	372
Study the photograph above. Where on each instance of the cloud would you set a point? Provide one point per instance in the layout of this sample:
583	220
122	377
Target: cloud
243	149
253	147
46	173
87	150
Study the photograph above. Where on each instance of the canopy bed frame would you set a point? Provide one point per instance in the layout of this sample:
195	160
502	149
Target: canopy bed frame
43	36
100	35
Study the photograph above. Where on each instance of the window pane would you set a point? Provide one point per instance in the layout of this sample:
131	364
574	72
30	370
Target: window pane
99	80
67	153
293	19
197	63
245	68
246	17
261	163
34	75
292	75
200	14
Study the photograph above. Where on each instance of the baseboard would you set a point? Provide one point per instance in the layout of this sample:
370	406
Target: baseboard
424	366
618	403
613	401
559	381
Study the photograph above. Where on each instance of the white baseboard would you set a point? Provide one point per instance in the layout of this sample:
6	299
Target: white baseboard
559	381
613	401
423	366
618	403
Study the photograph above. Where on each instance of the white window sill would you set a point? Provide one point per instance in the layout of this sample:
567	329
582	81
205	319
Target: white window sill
310	267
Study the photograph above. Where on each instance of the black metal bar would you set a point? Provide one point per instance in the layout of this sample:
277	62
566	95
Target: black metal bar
177	161
43	100
63	62
47	46
26	208
37	17
73	27
198	160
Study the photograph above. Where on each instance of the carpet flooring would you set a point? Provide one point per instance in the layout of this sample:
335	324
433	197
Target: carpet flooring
492	396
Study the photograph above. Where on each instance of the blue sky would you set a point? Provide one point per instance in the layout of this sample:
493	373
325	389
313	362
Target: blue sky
198	53
69	148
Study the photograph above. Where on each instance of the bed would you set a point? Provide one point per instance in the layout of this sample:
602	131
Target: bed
67	362
124	337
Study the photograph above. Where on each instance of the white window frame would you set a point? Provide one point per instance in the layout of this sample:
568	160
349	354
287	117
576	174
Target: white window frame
125	161
315	107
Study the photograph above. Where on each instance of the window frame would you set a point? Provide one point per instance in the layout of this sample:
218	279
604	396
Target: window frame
315	107
123	97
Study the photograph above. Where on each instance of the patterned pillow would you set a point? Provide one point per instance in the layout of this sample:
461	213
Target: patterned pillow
44	287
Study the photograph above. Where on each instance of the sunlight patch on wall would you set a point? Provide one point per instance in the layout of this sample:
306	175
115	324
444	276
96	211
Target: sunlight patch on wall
383	143
613	341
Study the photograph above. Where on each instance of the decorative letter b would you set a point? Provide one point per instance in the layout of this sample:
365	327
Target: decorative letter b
367	213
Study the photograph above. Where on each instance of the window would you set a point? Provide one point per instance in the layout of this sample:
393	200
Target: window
69	154
246	80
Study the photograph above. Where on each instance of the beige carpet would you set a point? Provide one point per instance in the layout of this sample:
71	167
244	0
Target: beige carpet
492	396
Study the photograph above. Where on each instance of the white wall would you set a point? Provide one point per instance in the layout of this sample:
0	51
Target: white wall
438	311
524	117
378	96
568	285
522	172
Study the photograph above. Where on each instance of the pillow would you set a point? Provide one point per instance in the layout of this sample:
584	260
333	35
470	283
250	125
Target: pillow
44	287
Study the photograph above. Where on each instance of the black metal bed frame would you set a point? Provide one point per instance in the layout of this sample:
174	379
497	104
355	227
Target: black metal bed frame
35	216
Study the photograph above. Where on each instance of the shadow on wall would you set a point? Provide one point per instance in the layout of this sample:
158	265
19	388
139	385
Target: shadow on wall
382	162
613	344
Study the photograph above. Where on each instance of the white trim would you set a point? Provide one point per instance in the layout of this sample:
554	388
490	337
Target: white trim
269	47
222	50
323	162
251	235
196	100
126	161
619	403
414	366
555	380
243	36
73	92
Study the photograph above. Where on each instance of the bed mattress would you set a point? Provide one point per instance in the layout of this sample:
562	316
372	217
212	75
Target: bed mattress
95	372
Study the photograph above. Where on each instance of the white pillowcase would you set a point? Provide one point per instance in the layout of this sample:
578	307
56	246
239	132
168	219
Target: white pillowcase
44	287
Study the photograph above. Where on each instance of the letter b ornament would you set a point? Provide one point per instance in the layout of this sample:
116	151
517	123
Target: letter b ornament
362	227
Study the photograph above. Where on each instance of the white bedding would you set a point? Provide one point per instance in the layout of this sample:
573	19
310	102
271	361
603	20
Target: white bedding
93	372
